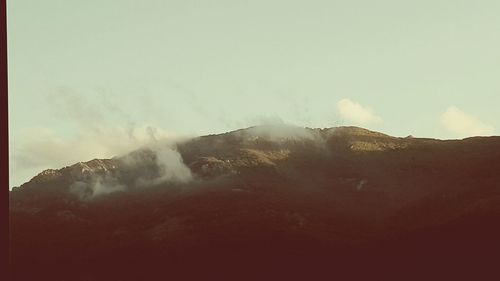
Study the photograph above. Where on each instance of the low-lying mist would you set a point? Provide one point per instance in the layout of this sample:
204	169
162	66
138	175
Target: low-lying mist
153	164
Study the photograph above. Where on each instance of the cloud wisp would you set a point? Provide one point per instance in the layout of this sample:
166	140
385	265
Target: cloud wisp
462	124
356	113
155	164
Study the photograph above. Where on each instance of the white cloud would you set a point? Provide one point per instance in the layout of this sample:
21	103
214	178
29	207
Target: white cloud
464	125
354	112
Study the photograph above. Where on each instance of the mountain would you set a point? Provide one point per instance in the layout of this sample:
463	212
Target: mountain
271	200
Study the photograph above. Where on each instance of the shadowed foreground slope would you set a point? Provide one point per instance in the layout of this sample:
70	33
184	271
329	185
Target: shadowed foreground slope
265	202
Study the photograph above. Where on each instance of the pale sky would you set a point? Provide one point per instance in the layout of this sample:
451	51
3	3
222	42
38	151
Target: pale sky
96	78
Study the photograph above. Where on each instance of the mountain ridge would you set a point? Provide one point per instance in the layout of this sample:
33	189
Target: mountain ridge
253	131
102	164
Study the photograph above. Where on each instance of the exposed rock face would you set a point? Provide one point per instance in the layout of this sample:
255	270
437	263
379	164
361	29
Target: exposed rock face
47	175
261	195
208	167
77	172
